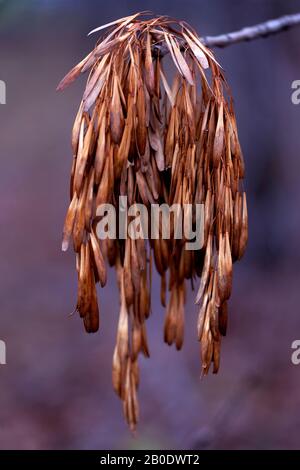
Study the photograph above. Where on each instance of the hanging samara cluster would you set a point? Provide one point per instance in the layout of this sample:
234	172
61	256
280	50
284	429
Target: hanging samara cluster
137	135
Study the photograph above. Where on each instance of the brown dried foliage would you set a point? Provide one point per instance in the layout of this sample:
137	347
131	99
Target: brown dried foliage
137	135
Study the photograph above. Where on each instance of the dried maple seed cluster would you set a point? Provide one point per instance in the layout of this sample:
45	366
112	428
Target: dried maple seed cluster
137	135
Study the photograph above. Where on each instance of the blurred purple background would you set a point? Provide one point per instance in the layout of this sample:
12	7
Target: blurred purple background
55	391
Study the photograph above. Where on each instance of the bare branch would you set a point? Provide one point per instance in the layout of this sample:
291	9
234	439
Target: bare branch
249	33
253	32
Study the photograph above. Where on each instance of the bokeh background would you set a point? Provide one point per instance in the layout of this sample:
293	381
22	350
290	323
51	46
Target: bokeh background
55	391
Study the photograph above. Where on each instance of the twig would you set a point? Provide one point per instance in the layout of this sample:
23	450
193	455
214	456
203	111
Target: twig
261	30
253	32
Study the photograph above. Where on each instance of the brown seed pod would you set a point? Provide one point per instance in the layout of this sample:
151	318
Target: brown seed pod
98	259
140	136
69	222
